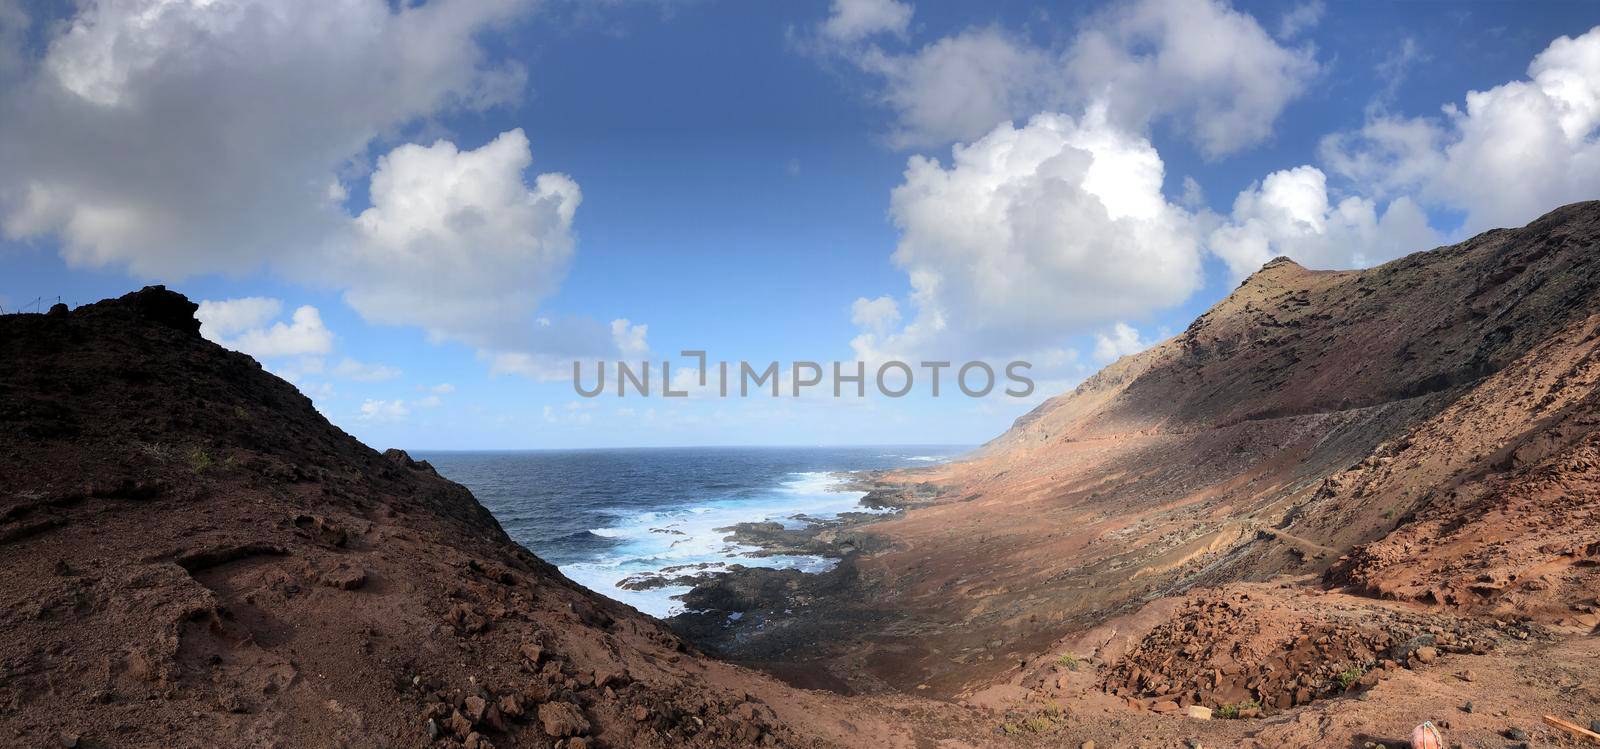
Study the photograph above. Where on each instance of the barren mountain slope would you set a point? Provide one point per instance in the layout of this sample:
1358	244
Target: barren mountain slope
194	557
1265	439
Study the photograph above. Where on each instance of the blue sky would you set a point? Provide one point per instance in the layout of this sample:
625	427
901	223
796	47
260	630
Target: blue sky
747	172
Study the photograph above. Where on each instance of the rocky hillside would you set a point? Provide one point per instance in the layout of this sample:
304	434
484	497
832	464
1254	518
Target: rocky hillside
195	557
1423	430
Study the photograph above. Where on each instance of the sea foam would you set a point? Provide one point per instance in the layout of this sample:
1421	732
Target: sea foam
687	537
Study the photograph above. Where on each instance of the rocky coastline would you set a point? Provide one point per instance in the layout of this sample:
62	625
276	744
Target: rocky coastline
762	615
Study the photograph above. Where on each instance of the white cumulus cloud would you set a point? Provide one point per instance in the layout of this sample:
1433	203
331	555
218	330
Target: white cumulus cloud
241	325
222	318
1030	234
170	138
1200	62
630	339
1512	153
1211	67
304	334
175	137
384	410
958	87
459	243
1290	213
1121	340
878	315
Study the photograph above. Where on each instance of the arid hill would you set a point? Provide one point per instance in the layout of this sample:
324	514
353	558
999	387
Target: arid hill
194	557
1424	432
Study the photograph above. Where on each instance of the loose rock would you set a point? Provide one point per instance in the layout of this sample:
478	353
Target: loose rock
562	719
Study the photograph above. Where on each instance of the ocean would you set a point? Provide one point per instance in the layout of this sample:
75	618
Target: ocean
604	515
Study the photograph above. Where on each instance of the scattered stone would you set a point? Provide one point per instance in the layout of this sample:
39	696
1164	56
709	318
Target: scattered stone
323	529
69	740
1467	708
465	619
1199	712
562	719
641	713
1516	734
1193	744
1468	675
344	577
459	725
1594	725
1086	745
476	707
495	720
511	705
432	727
532	652
1164	706
611	678
1426	654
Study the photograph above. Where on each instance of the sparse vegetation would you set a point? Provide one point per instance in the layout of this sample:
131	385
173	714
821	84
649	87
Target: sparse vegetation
1046	720
1039	724
1068	661
1231	712
1036	725
199	460
1350	676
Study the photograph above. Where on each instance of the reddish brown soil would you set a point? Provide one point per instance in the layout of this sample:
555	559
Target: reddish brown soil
1193	642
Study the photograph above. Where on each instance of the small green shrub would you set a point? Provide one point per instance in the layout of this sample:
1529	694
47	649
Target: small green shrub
1350	676
1068	661
199	460
1231	712
1039	724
